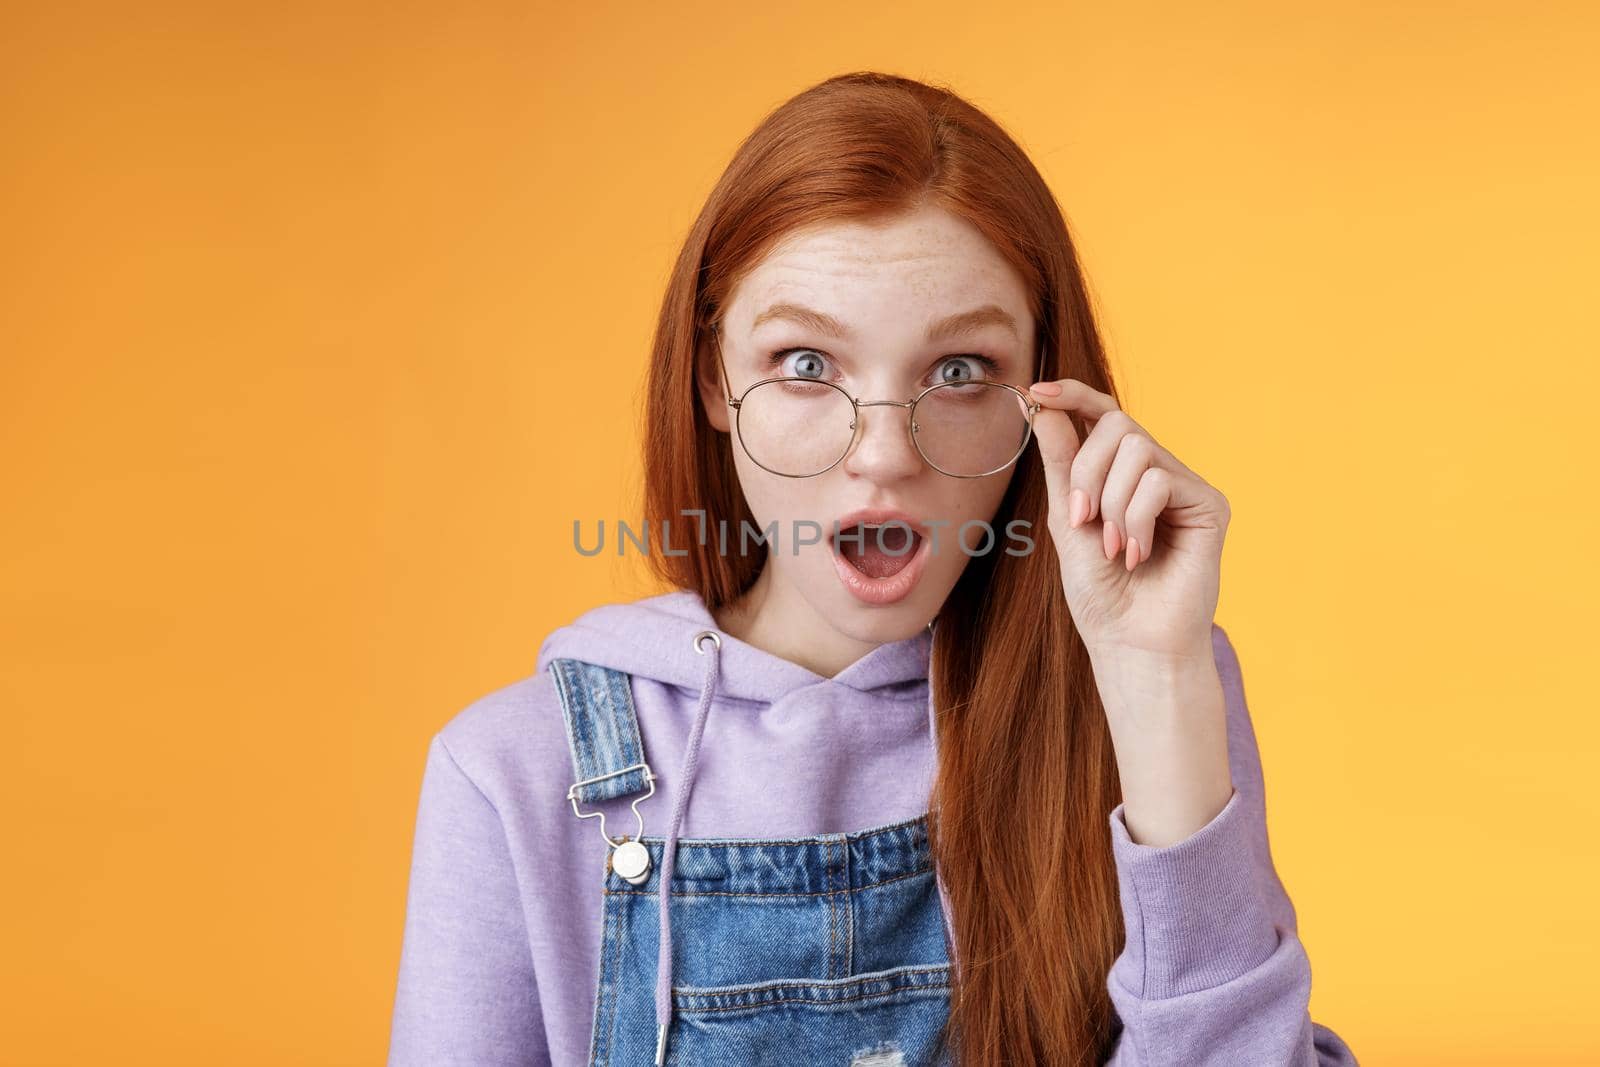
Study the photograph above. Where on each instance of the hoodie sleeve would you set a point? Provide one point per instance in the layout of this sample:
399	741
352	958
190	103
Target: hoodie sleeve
1213	971
466	993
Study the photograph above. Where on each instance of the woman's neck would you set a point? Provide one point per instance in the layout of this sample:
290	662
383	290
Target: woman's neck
776	619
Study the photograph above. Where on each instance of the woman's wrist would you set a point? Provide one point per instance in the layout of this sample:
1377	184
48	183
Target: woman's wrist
1168	721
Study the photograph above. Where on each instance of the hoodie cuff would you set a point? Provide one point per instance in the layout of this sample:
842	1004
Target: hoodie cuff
1193	913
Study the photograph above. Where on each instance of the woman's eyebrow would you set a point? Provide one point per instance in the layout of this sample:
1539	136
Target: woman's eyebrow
960	324
965	323
808	318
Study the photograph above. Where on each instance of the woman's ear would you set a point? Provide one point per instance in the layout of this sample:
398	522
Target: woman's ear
708	376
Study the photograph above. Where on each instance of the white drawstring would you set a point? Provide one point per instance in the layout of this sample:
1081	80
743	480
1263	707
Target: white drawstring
938	878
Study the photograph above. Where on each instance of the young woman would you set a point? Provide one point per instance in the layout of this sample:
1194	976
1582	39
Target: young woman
934	752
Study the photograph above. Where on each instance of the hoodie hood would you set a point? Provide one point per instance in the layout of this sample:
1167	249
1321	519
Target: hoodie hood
652	638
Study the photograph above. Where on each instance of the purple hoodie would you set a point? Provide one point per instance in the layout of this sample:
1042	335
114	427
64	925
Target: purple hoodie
500	955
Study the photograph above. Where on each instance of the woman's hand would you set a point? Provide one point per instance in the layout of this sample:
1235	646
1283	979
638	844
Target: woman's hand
1139	536
1138	533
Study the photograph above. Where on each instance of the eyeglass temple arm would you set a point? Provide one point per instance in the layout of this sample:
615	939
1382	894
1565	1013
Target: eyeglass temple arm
722	367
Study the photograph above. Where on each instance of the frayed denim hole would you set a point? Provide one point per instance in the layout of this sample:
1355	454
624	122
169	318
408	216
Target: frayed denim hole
884	1054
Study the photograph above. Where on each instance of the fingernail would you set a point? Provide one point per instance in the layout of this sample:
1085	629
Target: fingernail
1046	388
1133	552
1109	536
1077	508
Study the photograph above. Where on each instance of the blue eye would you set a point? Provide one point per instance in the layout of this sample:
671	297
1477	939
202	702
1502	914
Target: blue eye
965	369
809	364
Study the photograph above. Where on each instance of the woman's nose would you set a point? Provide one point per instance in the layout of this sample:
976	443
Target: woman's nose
882	448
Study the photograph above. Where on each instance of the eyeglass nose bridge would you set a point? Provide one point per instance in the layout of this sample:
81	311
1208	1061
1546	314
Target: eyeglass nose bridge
911	425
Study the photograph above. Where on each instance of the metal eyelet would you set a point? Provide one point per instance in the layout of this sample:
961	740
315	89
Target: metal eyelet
716	639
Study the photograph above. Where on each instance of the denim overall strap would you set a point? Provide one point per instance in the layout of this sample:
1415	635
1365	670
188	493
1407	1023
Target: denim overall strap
602	731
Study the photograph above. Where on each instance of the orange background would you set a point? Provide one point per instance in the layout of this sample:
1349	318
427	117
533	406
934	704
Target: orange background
321	323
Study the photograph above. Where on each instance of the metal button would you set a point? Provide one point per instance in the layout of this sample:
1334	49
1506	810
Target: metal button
631	860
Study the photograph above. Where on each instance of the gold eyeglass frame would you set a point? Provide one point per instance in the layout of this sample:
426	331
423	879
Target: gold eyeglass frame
1031	405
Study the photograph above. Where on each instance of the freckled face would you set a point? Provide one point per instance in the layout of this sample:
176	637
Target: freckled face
882	283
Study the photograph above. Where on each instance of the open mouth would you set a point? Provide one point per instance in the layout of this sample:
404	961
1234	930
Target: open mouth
880	563
877	551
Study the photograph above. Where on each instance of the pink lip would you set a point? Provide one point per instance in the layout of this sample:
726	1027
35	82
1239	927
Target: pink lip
896	587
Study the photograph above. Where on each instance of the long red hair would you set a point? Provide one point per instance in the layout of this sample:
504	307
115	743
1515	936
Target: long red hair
1027	775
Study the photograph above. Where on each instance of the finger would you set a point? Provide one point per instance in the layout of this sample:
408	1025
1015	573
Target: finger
1072	394
1150	498
1135	453
1100	447
1092	465
1057	441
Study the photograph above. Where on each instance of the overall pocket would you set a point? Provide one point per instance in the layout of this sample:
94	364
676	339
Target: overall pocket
890	1018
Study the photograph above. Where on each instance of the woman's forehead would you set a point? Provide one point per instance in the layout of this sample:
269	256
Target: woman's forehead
929	256
920	269
944	326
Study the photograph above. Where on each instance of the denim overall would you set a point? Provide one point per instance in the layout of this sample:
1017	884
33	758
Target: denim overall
824	951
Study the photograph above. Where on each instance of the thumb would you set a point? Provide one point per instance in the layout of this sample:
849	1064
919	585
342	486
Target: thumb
1058	445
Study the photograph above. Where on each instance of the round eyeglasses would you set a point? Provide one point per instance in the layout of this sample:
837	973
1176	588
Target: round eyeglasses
802	427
